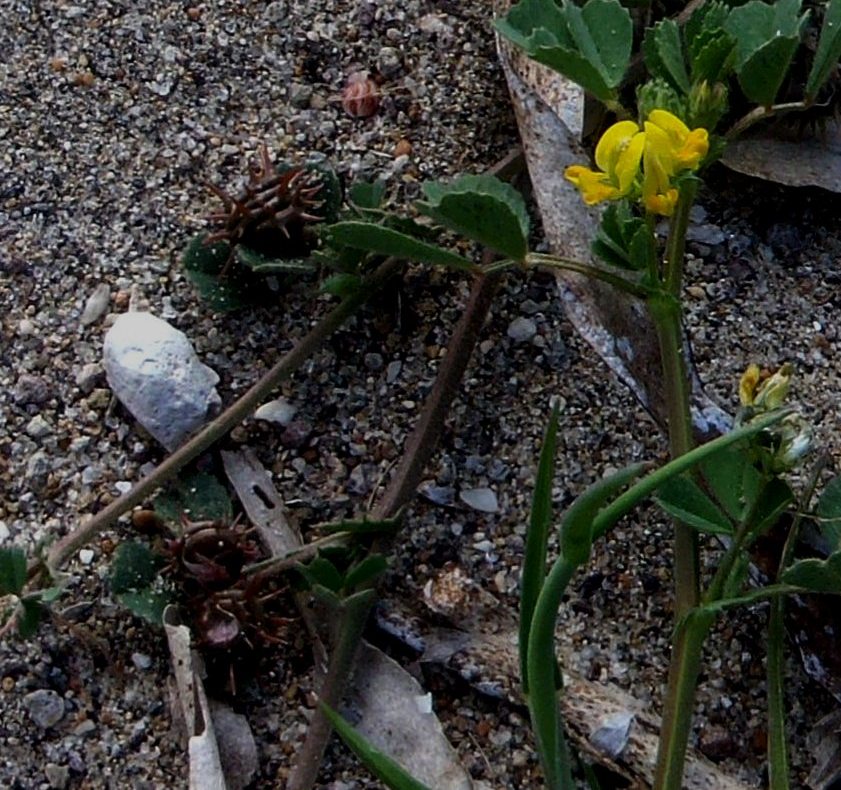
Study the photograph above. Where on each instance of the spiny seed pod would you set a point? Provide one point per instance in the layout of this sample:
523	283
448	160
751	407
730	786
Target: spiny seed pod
274	207
361	95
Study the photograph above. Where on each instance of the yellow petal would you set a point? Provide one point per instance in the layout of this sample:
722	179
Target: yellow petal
628	163
594	186
676	128
747	385
693	150
613	142
661	203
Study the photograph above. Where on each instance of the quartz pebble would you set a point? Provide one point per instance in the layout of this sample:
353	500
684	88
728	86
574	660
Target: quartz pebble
45	707
522	329
154	371
482	499
279	411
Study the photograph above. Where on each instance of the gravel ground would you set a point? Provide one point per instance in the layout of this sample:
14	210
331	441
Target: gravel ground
111	117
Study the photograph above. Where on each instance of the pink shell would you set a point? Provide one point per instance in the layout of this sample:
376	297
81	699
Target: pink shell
361	95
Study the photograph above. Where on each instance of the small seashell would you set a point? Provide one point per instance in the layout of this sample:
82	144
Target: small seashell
361	95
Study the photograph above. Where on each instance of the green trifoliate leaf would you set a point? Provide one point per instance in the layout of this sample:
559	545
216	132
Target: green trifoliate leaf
712	58
623	239
829	513
820	576
766	37
342	284
589	45
682	498
262	264
197	495
147	603
12	571
365	195
387	241
203	263
829	49
663	54
134	567
483	209
390	773
732	480
320	572
29	614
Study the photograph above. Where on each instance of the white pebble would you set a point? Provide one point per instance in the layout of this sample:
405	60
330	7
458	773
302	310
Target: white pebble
86	556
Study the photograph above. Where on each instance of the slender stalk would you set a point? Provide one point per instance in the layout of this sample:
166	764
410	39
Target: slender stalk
685	664
621	283
229	419
775	672
778	772
352	617
758	114
684	669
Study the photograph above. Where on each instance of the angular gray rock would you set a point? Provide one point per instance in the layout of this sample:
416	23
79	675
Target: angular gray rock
155	373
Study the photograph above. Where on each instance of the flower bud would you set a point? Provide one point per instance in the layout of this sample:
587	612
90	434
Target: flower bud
707	104
657	94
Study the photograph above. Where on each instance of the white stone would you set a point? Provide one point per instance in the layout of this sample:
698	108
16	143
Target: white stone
155	373
86	556
279	411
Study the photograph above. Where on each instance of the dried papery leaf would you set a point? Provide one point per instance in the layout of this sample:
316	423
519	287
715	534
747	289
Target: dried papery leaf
262	503
205	764
360	95
807	162
393	718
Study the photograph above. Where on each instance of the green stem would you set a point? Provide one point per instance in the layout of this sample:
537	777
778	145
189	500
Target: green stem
554	262
543	693
684	669
775	665
775	672
685	664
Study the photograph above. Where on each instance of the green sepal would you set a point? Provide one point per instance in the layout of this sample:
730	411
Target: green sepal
483	209
365	571
623	239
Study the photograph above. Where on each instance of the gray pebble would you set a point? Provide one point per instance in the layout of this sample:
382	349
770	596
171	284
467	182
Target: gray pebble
88	376
522	329
482	499
374	361
393	371
31	389
38	427
300	94
45	707
389	63
57	775
96	304
141	660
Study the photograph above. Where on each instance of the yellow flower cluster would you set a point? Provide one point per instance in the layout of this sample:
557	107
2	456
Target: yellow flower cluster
657	153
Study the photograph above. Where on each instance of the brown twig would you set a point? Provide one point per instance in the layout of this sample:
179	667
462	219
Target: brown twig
417	451
229	419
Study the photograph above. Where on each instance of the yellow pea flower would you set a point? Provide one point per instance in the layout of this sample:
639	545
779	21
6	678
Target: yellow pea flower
618	156
670	147
689	147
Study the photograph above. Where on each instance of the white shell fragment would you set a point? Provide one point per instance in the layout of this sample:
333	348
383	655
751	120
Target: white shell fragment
155	373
